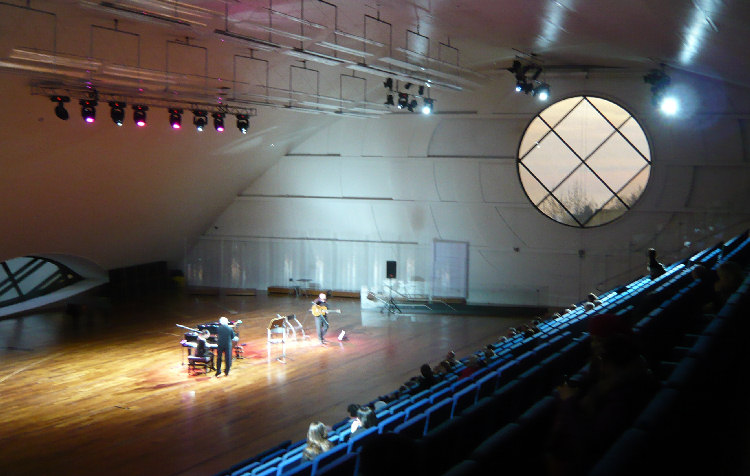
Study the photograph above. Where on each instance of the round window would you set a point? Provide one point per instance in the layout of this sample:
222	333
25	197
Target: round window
584	161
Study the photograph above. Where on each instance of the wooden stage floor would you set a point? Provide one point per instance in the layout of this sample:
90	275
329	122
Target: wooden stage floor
107	393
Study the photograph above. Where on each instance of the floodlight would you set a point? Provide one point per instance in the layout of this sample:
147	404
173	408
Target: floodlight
88	110
60	110
218	121
427	106
243	123
117	112
175	118
139	115
200	119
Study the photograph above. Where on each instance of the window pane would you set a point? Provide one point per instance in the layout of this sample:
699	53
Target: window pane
604	136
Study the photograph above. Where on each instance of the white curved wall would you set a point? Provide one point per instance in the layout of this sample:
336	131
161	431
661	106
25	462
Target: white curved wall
362	192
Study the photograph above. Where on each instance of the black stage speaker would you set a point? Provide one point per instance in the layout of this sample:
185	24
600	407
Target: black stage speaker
390	269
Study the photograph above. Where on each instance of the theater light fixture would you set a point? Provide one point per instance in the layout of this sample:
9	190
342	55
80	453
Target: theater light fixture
243	123
389	100
403	100
117	112
541	91
175	118
218	121
388	84
411	105
88	110
660	97
200	119
427	106
139	115
60	110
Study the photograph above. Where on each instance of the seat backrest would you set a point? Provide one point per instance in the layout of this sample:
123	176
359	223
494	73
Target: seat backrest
413	428
463	399
391	422
438	413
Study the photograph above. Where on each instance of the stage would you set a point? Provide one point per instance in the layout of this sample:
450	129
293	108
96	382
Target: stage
107	391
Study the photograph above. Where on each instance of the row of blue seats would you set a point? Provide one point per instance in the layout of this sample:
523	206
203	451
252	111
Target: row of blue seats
412	415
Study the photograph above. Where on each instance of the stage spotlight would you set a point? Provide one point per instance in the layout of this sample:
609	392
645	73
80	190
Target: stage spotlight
421	90
243	123
60	110
541	91
200	119
403	100
524	87
412	105
139	115
88	110
175	118
669	105
118	112
389	100
407	85
218	121
388	84
427	106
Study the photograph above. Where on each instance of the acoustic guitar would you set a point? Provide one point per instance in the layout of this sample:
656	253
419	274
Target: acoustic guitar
322	310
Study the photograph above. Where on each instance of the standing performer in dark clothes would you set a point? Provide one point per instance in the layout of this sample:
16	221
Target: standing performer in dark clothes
224	337
321	319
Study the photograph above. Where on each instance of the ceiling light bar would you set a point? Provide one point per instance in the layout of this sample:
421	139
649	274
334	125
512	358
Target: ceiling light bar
297	19
258	43
358	38
386	73
51	58
141	14
276	31
317	57
422	69
343	49
437	61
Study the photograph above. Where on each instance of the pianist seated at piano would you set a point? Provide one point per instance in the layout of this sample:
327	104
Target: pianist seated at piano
203	347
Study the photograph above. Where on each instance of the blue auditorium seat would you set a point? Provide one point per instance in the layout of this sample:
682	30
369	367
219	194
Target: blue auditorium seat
438	413
345	465
463	399
289	463
356	440
334	453
413	427
303	469
264	467
416	408
440	395
486	385
391	422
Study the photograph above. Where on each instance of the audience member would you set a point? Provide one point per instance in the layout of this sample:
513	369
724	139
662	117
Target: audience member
728	280
366	418
655	269
426	380
588	306
352	410
474	364
317	441
591	297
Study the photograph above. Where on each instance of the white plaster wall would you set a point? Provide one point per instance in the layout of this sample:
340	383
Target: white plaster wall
403	181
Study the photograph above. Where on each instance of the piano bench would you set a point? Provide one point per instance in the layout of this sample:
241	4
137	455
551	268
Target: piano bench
199	363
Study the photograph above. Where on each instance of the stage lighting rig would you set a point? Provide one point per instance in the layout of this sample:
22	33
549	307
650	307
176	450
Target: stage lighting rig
200	119
60	110
218	121
175	118
88	110
660	97
139	115
427	106
117	112
243	123
403	100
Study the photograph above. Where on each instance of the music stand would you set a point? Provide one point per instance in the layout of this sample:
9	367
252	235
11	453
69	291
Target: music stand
390	305
277	334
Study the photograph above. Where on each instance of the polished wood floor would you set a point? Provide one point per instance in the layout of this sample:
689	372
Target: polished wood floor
107	392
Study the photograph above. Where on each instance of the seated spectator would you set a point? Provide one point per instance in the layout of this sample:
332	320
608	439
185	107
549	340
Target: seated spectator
593	412
442	369
366	418
489	352
317	441
450	358
655	269
352	411
474	364
588	306
591	297
426	380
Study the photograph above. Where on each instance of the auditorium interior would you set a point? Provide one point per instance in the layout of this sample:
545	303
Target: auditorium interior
544	201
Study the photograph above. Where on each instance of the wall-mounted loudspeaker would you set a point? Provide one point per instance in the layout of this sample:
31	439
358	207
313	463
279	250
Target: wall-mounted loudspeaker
390	269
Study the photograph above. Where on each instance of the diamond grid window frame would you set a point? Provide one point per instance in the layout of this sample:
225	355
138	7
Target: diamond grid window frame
564	160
